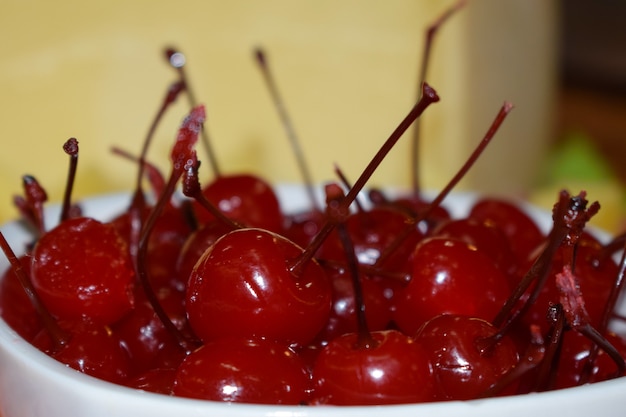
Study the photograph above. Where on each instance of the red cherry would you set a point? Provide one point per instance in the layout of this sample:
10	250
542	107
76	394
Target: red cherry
243	287
159	381
244	198
343	316
15	307
522	232
195	245
170	233
92	349
144	336
595	276
244	371
575	354
82	268
449	276
395	370
487	238
466	359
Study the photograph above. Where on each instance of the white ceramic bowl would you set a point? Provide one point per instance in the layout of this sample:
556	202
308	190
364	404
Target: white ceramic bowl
32	384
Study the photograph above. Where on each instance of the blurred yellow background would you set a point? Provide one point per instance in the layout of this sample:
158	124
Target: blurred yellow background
347	70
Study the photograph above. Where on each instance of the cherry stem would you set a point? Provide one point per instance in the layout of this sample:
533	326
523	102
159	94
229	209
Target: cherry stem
547	371
59	336
371	270
177	60
530	360
142	251
607	314
182	156
335	214
428	41
482	145
597	338
578	318
192	189
570	214
429	97
170	97
151	172
436	202
279	104
539	269
616	290
71	148
344	180
35	197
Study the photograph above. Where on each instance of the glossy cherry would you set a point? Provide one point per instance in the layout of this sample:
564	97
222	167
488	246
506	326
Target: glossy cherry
82	269
246	199
242	286
465	356
449	276
256	371
394	370
92	349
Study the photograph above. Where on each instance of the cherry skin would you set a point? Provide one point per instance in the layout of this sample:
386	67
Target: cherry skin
395	370
244	198
449	276
486	237
343	316
242	287
195	245
256	371
574	355
523	233
92	349
144	336
464	367
159	381
15	306
164	245
82	268
595	276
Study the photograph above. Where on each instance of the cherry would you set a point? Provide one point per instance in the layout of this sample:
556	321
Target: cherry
595	277
575	353
244	198
521	231
146	339
343	315
395	370
242	286
159	381
486	237
92	349
15	306
195	245
170	233
449	276
237	370
364	367
466	359
82	268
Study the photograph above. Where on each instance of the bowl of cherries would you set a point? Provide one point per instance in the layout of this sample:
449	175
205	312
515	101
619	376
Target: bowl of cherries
243	298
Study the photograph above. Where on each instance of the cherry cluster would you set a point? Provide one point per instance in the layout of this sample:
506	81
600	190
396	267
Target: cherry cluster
370	298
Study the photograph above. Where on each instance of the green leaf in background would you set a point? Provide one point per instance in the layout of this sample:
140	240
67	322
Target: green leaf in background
576	158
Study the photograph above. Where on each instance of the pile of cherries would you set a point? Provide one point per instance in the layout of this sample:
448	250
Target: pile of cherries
220	295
